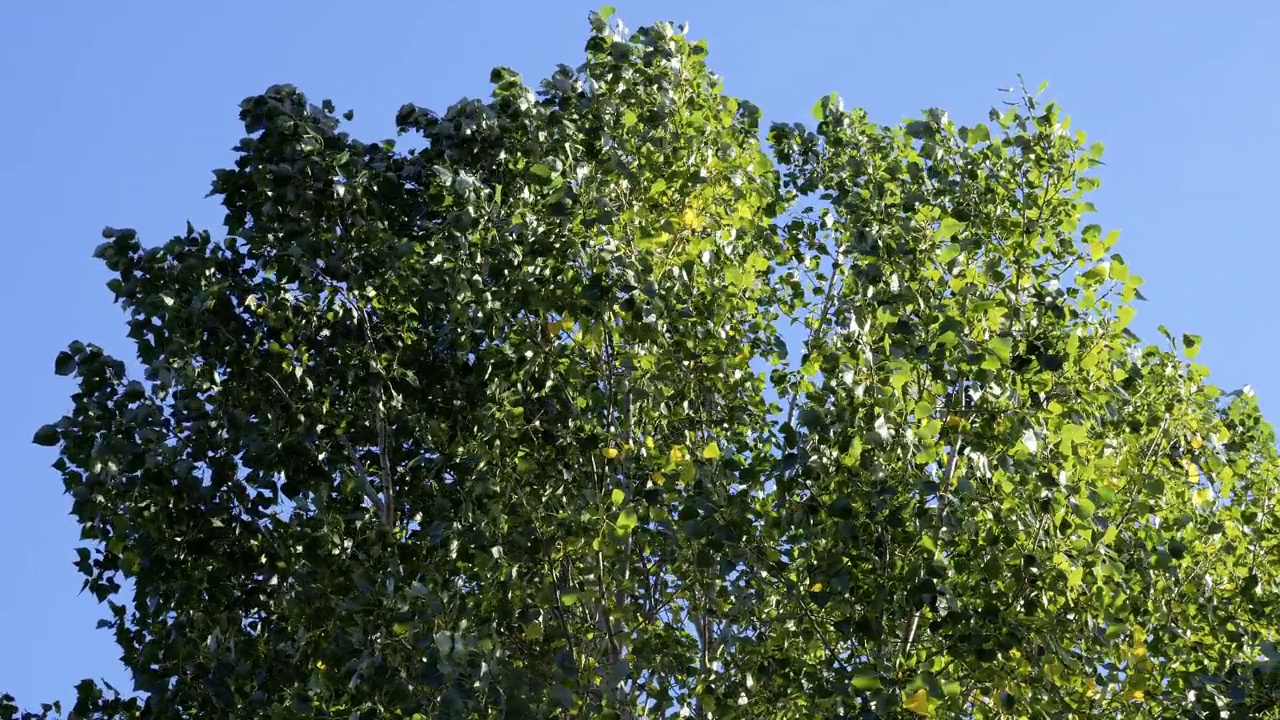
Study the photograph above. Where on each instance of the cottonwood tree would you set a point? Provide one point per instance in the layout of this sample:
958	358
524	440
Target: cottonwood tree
506	425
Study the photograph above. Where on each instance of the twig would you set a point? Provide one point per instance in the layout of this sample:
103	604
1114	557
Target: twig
949	474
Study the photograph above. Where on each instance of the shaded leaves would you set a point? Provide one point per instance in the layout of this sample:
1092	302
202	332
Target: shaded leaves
508	425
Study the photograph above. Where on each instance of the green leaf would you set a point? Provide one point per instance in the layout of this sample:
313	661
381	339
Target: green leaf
1125	315
1086	506
65	363
46	436
978	134
711	451
1074	432
619	496
1092	236
444	642
1191	345
542	173
500	75
948	253
948	227
819	110
1095	275
1109	536
1002	347
866	682
1075	576
627	521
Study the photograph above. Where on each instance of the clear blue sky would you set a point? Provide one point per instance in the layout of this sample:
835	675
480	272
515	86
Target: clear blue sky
117	113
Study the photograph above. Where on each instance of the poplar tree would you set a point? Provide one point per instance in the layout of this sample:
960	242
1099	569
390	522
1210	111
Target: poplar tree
589	402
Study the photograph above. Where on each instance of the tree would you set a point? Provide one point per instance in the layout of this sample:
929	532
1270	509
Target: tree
505	425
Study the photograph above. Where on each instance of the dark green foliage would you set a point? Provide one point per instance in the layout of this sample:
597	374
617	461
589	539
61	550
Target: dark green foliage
505	427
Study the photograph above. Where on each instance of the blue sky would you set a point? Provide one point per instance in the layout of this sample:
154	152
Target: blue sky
119	111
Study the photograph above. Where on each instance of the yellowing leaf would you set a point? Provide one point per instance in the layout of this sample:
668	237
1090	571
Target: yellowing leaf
711	451
816	587
1125	315
1200	496
658	478
610	453
918	702
1138	695
555	326
677	453
689	218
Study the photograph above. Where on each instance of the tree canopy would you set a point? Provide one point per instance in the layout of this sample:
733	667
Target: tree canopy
590	403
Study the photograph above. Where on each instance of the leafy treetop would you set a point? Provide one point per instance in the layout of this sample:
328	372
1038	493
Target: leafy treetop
507	426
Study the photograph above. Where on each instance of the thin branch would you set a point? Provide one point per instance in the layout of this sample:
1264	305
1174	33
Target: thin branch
388	508
953	462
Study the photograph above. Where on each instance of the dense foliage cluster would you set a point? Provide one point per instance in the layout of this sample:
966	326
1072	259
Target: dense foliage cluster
506	425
